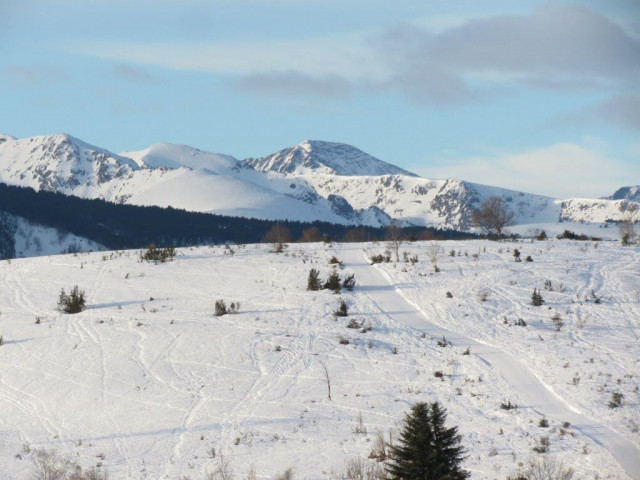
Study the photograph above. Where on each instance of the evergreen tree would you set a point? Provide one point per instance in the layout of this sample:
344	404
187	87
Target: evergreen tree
426	449
349	282
313	282
536	298
72	303
343	310
333	282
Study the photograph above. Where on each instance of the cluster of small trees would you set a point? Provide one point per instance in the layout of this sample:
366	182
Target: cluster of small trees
73	302
222	309
155	254
333	282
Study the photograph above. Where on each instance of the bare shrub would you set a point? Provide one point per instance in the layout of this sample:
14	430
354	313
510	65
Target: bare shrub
51	466
542	445
493	215
395	239
379	448
547	468
221	471
286	475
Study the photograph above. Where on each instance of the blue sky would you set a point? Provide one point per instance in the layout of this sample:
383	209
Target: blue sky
536	96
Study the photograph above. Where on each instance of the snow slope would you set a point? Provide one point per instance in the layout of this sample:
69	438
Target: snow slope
146	380
20	238
167	155
530	391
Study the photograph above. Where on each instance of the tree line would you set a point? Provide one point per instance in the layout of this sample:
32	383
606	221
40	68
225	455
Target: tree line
119	226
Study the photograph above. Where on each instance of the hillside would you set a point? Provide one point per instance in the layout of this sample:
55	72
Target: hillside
147	381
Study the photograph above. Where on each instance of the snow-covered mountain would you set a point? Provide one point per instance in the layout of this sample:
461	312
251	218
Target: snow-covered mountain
314	180
631	193
313	156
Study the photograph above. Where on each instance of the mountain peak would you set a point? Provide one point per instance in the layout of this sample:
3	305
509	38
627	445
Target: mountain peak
631	192
318	156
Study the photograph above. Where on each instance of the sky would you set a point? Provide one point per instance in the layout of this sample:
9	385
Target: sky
542	97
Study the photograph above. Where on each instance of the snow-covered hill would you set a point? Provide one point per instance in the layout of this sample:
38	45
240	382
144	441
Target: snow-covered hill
149	384
311	181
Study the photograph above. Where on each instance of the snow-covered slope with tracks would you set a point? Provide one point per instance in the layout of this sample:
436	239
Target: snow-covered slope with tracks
148	383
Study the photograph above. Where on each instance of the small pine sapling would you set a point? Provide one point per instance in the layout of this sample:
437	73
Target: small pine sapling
313	281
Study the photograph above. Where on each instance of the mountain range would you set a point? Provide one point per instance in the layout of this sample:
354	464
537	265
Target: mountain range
314	180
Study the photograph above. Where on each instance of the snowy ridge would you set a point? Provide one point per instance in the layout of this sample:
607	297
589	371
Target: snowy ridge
313	156
171	156
631	193
311	181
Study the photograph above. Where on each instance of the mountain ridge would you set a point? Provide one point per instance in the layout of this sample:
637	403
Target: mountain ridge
314	180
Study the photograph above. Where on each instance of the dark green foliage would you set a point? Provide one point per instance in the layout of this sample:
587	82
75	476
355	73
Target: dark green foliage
543	423
155	254
333	283
349	282
8	227
222	309
508	405
427	449
569	235
536	298
380	258
313	281
343	310
334	261
528	259
118	226
542	235
73	302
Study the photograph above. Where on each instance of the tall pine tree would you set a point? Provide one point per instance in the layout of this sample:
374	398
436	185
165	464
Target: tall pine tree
426	449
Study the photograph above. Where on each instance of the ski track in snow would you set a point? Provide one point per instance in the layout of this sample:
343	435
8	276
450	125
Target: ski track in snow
532	391
157	397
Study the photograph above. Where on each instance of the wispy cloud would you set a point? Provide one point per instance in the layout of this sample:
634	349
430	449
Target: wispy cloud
133	74
552	47
560	170
294	84
34	75
622	110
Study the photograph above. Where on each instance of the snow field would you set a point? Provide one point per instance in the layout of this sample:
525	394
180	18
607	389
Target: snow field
148	387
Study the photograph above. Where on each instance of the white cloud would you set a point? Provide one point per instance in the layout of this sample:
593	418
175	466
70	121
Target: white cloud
560	170
345	55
